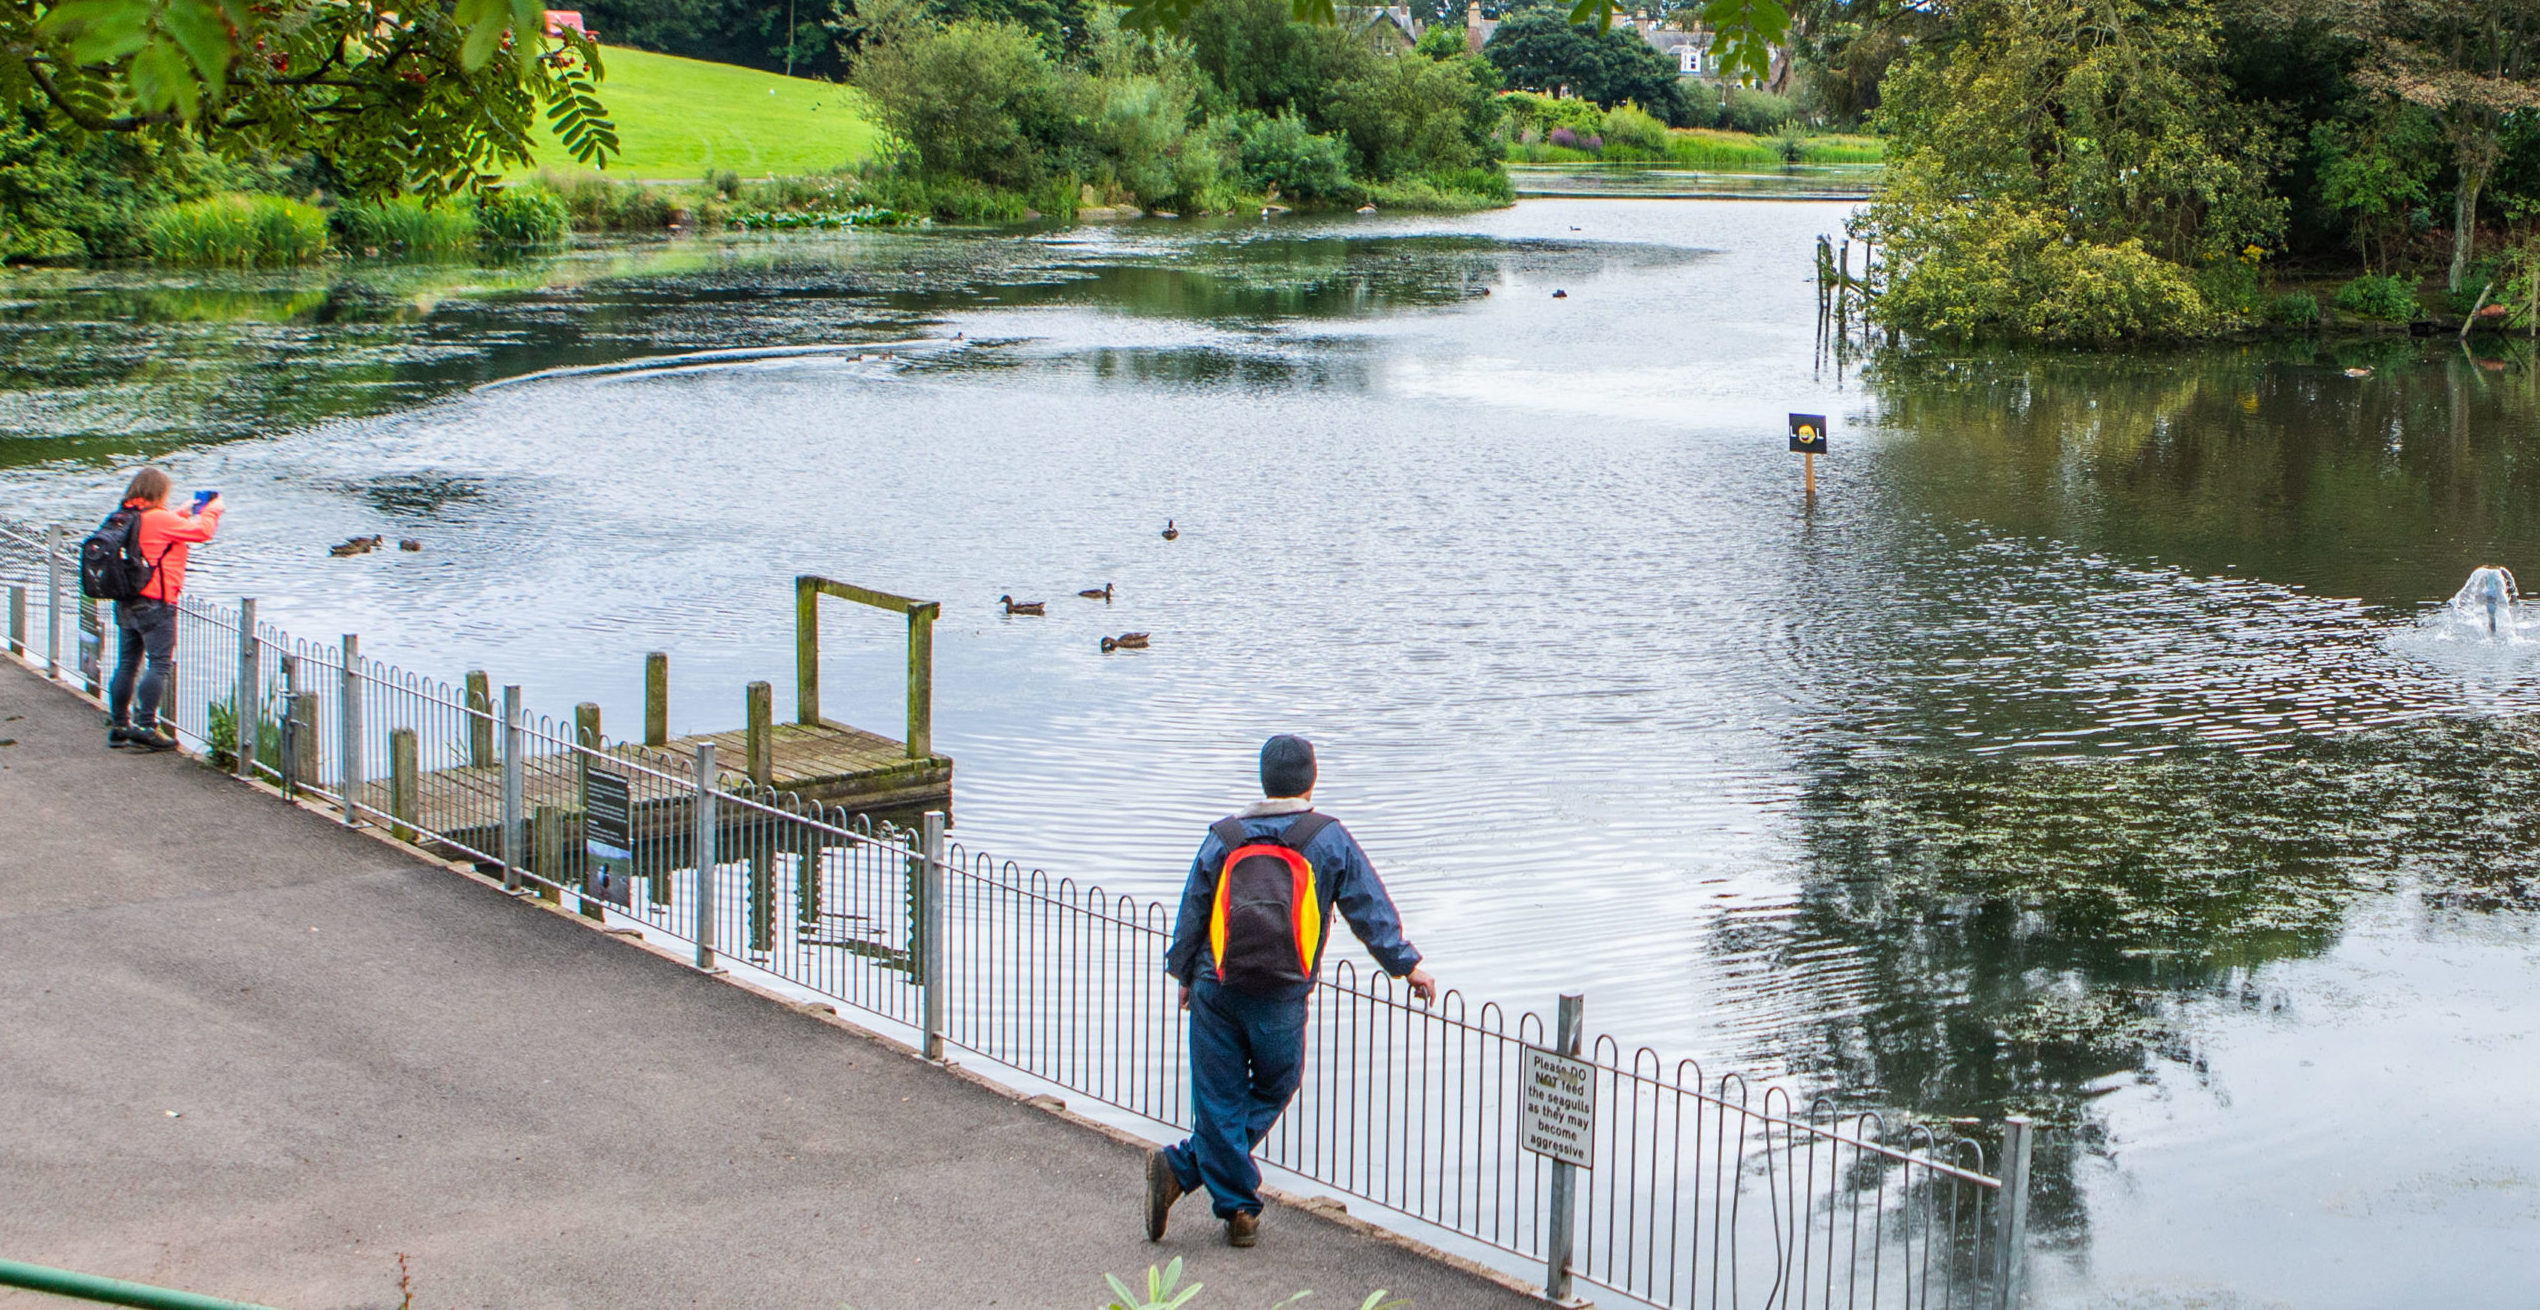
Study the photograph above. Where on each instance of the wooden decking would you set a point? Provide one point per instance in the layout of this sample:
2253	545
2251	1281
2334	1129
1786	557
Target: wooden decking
832	763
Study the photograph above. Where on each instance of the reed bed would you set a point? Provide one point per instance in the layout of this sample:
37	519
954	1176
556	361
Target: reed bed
238	231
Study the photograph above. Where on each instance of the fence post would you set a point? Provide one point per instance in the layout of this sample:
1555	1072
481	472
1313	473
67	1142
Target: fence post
92	655
656	699
53	602
287	769
1561	1224
512	846
348	712
758	712
2010	1217
480	725
705	855
405	776
248	703
17	620
932	922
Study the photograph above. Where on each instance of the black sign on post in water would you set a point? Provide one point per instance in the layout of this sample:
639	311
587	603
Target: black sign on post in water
608	837
1808	434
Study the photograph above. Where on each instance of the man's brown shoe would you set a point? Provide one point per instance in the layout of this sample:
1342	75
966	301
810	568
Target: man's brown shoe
1163	1189
1242	1229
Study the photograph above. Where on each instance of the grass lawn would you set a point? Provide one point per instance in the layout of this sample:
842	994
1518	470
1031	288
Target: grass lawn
682	118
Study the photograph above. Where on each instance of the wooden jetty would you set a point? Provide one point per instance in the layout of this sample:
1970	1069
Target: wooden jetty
813	758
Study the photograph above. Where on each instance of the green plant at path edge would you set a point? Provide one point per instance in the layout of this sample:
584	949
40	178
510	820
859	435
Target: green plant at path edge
1161	1293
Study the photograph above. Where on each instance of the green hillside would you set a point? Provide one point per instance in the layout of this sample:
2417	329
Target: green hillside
683	118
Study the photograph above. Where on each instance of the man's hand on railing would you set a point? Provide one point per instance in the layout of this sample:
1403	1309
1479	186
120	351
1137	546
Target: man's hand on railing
1421	985
1186	996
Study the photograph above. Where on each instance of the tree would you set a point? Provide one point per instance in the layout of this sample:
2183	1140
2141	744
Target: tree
975	99
2377	172
1538	50
2067	170
386	95
2473	64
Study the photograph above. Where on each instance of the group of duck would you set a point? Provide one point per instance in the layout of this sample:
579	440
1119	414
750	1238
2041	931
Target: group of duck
365	545
1103	593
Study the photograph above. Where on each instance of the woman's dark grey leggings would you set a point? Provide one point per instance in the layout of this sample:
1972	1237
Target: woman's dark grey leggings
146	629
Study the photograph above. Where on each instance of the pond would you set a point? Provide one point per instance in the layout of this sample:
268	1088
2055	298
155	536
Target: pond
2082	748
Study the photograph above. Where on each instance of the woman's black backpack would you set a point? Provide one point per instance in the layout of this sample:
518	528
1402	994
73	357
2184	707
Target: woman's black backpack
110	562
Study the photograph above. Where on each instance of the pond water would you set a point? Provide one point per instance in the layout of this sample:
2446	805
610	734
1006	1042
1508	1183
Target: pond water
2092	745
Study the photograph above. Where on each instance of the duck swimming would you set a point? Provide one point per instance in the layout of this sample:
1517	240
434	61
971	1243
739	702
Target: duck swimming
1171	533
1125	641
1102	592
1013	606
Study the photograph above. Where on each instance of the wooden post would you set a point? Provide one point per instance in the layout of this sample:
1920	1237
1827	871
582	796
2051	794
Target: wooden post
806	650
405	779
304	738
586	733
1809	461
546	839
480	724
762	734
921	678
656	699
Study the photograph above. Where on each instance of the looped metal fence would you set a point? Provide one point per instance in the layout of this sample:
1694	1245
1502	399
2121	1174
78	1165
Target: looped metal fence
1696	1191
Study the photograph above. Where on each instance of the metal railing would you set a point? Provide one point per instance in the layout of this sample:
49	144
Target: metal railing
1696	1191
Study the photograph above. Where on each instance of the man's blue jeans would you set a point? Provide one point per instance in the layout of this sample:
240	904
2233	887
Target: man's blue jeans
1247	1056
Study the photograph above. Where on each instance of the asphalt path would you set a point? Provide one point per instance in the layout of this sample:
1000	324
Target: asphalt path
246	1052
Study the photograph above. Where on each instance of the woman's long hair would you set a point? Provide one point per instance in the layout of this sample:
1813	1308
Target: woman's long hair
149	486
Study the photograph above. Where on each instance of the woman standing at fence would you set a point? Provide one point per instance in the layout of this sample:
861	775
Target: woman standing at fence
145	654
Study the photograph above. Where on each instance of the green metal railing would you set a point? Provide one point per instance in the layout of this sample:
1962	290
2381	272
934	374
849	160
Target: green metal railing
111	1291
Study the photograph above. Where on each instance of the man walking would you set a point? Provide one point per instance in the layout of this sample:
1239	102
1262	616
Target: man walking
145	625
1245	948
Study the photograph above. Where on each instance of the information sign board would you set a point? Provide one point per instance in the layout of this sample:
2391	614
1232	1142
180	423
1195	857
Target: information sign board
1556	1106
1808	434
608	838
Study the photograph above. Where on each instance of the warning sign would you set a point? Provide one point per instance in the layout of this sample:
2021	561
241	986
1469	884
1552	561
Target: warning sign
1556	1106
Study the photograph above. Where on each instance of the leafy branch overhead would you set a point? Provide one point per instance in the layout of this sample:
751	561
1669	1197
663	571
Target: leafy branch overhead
391	96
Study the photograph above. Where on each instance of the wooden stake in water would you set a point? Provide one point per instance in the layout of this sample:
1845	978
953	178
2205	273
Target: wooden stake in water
1809	461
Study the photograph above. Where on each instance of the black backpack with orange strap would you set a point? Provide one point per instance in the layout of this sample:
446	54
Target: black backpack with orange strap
1267	920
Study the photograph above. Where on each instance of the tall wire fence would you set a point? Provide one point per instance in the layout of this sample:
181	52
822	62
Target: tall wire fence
1689	1190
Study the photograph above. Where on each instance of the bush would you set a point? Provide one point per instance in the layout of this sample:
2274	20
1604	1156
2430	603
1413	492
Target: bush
521	216
238	231
2005	271
1532	112
973	99
596	204
1412	117
1628	129
2389	299
1564	138
2294	309
1760	113
407	226
1282	151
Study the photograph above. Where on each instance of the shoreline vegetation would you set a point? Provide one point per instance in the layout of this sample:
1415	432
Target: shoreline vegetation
2085	175
952	114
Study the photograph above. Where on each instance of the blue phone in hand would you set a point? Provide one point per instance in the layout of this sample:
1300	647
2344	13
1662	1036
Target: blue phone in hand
202	498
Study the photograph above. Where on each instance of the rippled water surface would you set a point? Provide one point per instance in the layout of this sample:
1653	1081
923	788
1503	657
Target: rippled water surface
2082	749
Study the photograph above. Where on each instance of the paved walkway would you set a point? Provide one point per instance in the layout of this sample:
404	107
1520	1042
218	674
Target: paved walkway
249	1053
